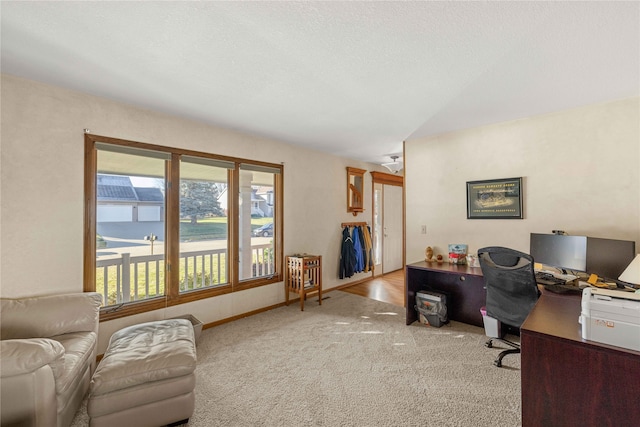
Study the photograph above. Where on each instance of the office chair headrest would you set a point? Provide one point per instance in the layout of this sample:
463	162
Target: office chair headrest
501	257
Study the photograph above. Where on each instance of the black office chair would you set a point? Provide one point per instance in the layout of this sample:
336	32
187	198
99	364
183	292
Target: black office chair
512	290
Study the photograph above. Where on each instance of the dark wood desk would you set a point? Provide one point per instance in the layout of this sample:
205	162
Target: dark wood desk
568	381
464	286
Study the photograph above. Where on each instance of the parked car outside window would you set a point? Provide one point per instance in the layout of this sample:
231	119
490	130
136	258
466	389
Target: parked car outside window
264	231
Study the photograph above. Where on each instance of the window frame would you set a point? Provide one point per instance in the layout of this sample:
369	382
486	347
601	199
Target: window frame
172	233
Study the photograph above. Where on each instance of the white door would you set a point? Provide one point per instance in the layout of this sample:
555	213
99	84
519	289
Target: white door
377	229
391	228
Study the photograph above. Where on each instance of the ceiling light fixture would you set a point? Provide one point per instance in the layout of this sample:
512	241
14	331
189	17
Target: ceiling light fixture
394	166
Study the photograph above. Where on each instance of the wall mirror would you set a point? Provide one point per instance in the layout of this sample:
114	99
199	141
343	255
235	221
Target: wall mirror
355	190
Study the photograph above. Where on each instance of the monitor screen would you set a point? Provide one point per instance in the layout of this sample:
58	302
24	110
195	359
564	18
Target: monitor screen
608	258
560	251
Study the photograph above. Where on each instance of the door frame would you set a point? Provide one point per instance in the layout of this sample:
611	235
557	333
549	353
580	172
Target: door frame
389	179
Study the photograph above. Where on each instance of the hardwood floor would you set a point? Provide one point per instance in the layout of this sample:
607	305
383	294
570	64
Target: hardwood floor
387	288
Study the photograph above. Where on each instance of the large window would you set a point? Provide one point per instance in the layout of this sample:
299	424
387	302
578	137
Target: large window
166	226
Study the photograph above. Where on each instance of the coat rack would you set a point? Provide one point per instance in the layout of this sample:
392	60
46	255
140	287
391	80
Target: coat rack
354	224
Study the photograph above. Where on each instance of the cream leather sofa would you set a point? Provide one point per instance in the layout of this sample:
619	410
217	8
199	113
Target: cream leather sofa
47	357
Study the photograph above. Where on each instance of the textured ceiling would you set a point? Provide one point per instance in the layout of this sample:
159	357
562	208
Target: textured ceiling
351	78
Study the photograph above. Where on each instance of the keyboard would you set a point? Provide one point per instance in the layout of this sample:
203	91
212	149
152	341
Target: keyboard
557	283
544	278
563	289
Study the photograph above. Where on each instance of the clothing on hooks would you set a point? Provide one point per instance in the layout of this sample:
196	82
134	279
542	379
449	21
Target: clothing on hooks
356	252
347	255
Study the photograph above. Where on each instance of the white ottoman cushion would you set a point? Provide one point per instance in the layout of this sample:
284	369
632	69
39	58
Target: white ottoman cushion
144	364
146	352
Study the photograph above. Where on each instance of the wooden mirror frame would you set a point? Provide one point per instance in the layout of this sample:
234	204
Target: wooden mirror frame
355	190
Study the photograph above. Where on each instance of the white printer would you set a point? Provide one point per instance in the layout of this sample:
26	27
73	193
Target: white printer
611	317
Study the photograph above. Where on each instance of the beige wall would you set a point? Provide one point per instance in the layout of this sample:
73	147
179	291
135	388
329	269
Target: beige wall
580	172
42	193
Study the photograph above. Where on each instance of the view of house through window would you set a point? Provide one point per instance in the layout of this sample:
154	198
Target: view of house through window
139	212
256	207
130	225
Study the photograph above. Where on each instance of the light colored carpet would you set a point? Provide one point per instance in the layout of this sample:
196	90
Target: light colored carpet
350	362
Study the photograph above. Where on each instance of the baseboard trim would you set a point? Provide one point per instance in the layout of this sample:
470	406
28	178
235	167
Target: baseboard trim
271	307
357	282
241	316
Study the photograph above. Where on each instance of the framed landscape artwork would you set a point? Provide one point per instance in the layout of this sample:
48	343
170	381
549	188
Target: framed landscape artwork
495	199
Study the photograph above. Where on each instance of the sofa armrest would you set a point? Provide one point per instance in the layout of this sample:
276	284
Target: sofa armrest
29	369
49	316
24	356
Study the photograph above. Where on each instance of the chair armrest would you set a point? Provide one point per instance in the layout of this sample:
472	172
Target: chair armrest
49	316
24	356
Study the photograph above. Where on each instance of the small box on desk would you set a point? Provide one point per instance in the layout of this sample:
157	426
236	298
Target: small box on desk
432	308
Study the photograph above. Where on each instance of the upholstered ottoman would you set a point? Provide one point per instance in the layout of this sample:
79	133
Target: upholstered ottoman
146	377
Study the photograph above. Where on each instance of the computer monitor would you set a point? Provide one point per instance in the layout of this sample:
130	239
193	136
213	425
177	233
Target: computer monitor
608	258
560	251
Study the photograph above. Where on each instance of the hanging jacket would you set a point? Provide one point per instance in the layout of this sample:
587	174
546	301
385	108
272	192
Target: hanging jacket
372	262
358	248
363	244
368	249
347	255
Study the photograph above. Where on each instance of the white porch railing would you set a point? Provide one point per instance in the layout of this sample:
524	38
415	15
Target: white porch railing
133	278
